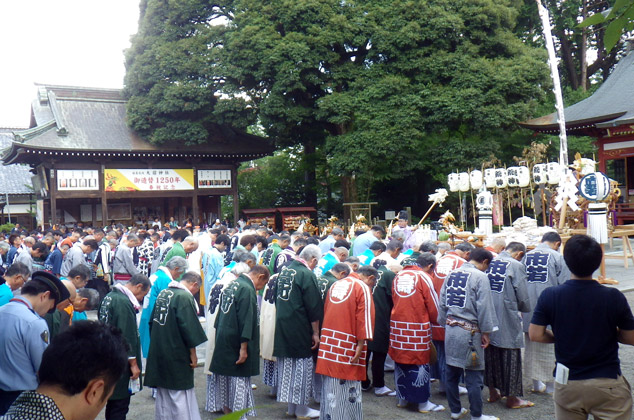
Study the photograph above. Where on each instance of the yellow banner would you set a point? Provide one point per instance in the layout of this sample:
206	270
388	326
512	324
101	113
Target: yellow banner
149	179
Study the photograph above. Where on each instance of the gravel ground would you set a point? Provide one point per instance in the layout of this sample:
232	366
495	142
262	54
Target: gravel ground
142	406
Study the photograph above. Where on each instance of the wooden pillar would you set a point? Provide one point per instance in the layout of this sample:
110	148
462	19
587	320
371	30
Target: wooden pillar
53	198
236	199
104	197
195	215
236	207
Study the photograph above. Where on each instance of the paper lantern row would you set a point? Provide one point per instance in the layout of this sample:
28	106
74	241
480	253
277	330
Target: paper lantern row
514	176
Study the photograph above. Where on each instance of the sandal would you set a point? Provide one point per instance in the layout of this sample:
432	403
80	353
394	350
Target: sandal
541	390
432	408
457	416
523	404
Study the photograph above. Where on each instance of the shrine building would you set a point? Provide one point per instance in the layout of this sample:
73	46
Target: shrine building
608	116
91	167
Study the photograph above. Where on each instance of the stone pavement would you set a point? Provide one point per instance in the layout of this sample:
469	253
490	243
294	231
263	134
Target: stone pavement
142	405
615	268
384	408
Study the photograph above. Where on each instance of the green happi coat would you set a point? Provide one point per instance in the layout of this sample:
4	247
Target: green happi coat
410	259
236	323
117	310
382	297
270	255
174	330
177	250
57	322
298	303
324	282
53	321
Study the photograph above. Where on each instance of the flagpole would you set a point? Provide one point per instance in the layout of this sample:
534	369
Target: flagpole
554	71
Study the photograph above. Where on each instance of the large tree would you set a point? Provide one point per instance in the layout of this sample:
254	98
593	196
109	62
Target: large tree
366	89
172	77
439	71
372	80
582	50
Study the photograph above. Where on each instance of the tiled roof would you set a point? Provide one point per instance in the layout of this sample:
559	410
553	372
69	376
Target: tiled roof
611	105
13	178
75	120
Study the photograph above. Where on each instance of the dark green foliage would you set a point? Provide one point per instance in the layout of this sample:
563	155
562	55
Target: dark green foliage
569	38
619	21
276	181
372	91
171	80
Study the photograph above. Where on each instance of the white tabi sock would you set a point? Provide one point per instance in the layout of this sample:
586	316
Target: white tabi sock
550	387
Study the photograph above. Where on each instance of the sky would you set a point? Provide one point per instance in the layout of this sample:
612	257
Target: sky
60	42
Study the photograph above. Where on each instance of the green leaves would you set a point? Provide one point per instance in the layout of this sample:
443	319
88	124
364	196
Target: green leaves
236	415
620	19
369	87
595	19
275	181
613	32
171	80
617	9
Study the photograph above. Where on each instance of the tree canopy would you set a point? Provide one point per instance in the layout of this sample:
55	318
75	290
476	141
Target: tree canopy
365	92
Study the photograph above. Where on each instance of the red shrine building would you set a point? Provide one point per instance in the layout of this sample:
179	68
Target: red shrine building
90	167
608	116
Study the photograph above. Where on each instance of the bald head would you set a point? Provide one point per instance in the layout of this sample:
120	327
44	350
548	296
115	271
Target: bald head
498	245
341	253
73	294
190	244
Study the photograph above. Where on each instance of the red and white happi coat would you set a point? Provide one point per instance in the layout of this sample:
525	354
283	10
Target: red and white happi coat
348	318
415	308
445	265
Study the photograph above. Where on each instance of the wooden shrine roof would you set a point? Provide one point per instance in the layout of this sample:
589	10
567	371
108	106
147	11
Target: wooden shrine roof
610	106
14	179
91	122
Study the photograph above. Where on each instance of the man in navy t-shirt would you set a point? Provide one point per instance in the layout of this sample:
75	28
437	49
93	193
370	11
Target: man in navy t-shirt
53	263
588	321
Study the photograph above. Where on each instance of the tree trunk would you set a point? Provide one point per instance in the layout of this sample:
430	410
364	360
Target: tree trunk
310	176
350	194
567	58
329	203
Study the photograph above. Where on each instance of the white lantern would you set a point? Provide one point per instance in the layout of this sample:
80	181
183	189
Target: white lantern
540	173
475	177
524	177
489	177
501	178
452	180
484	200
594	186
554	173
513	176
463	182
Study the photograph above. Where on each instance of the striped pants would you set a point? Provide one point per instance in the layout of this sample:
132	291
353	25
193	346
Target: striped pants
340	400
294	380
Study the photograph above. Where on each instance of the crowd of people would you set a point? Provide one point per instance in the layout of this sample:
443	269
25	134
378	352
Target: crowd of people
321	319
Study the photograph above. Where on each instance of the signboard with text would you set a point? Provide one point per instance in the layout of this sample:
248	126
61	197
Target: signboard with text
148	179
214	178
76	180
